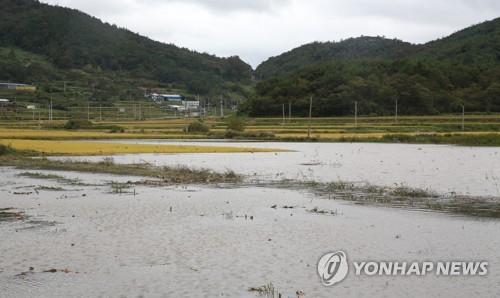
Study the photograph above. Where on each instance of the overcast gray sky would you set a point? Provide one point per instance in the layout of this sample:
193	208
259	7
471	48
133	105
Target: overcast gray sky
258	29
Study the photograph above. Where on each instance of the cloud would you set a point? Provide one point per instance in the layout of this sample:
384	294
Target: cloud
234	5
215	6
98	8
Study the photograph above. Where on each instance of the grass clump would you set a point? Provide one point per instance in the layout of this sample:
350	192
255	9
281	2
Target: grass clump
41	175
235	124
116	129
74	124
50	188
10	214
338	185
118	188
263	290
107	161
167	174
197	127
183	174
405	197
408	192
6	150
316	210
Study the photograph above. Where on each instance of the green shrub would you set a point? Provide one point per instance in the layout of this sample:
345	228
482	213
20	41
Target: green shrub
229	134
116	129
198	126
78	124
235	123
266	134
5	150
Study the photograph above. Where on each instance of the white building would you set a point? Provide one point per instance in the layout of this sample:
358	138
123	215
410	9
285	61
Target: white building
164	97
189	105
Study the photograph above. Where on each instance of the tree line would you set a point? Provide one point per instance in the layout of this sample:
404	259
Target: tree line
419	86
70	39
441	76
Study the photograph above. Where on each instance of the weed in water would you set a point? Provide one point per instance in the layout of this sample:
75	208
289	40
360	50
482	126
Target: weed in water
316	210
263	290
107	161
407	192
40	175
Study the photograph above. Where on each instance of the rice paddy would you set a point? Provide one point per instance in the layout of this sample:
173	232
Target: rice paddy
102	148
448	129
167	205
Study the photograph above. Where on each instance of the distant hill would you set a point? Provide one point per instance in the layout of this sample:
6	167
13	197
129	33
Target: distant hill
476	44
73	58
437	77
352	48
71	40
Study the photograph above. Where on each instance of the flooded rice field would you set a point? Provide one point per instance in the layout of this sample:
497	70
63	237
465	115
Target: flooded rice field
446	169
70	234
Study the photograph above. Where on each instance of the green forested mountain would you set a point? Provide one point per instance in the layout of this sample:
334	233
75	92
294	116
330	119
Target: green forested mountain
73	57
70	40
437	77
478	44
352	48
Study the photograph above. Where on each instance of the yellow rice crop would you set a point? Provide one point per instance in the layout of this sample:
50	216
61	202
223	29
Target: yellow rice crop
102	148
63	134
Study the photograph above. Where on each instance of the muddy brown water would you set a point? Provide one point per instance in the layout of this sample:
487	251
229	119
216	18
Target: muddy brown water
217	241
462	170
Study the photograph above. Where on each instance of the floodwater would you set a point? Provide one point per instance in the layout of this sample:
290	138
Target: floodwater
218	241
473	171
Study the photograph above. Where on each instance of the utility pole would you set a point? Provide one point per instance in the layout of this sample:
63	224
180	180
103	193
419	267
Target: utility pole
310	114
199	106
356	114
283	114
88	110
463	117
221	108
289	110
186	115
396	110
204	108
